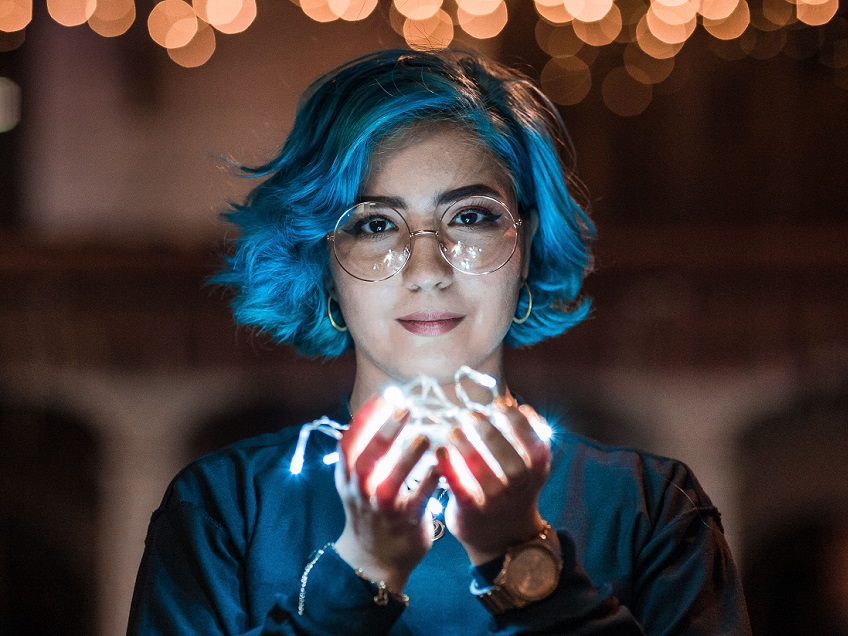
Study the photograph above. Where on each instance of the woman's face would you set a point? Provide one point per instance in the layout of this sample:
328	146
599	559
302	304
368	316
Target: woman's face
430	318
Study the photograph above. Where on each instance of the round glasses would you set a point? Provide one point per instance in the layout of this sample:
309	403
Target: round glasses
477	235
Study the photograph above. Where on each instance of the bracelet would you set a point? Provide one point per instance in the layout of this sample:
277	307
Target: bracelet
383	591
301	600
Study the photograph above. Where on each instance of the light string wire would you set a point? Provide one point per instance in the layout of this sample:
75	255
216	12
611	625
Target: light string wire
432	414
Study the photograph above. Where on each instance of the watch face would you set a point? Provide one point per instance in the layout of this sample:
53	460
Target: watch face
533	573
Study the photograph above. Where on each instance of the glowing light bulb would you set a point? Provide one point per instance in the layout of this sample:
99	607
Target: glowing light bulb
435	506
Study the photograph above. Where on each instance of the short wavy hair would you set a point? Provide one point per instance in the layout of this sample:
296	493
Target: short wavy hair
279	265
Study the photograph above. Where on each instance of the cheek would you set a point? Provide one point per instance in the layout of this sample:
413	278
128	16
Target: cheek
498	299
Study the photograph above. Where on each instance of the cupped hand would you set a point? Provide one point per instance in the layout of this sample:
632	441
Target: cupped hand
387	527
496	511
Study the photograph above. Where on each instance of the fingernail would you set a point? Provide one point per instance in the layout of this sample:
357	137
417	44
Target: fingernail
391	427
442	453
420	442
528	411
455	435
401	415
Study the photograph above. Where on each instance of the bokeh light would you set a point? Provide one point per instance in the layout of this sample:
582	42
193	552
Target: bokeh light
644	68
566	80
172	23
553	11
588	10
243	19
418	9
198	51
779	12
478	7
670	33
433	33
486	25
600	32
318	10
818	13
557	41
717	9
353	10
731	27
217	12
623	95
652	45
680	13
112	18
572	32
15	15
71	12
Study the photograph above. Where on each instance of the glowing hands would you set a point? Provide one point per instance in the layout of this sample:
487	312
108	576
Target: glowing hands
495	459
499	508
387	528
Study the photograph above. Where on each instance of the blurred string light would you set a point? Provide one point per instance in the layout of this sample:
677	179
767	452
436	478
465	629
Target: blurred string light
647	36
642	37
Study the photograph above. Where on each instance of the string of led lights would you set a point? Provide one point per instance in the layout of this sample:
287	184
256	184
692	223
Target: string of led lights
432	414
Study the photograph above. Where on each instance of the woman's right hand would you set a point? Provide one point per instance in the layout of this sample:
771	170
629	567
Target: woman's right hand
387	528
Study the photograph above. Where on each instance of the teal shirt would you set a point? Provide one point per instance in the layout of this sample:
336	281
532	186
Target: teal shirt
225	553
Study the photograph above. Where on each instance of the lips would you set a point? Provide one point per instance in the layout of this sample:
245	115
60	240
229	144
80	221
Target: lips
430	323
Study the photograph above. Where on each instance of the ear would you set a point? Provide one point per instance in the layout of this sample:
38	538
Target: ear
530	223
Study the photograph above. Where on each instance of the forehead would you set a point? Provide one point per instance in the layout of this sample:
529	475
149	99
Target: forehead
431	159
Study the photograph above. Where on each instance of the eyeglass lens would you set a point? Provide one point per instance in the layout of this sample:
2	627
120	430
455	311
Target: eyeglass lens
477	235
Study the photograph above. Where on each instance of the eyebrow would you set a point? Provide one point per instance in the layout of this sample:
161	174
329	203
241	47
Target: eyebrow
451	196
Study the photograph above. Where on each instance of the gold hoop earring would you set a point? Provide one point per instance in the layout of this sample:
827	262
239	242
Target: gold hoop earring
523	319
336	326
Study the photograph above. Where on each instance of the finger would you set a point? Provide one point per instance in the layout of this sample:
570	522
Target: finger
535	436
537	450
421	495
464	493
510	459
483	473
378	446
361	429
386	488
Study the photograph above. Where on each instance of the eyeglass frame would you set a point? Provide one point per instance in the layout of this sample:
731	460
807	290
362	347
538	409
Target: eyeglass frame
517	223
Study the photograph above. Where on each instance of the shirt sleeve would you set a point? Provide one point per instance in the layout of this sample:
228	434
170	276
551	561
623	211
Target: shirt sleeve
684	580
191	582
575	607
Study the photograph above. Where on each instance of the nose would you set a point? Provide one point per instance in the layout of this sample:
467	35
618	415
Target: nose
426	268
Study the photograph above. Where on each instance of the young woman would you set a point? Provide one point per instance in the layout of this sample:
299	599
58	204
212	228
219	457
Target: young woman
420	213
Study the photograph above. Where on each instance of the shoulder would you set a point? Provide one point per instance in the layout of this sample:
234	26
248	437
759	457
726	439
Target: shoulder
661	489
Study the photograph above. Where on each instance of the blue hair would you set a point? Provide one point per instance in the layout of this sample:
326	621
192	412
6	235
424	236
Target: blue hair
279	266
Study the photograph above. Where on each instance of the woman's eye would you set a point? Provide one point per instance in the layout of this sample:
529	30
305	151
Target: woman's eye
474	216
373	225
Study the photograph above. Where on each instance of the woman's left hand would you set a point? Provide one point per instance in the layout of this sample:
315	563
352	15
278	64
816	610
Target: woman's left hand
502	511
